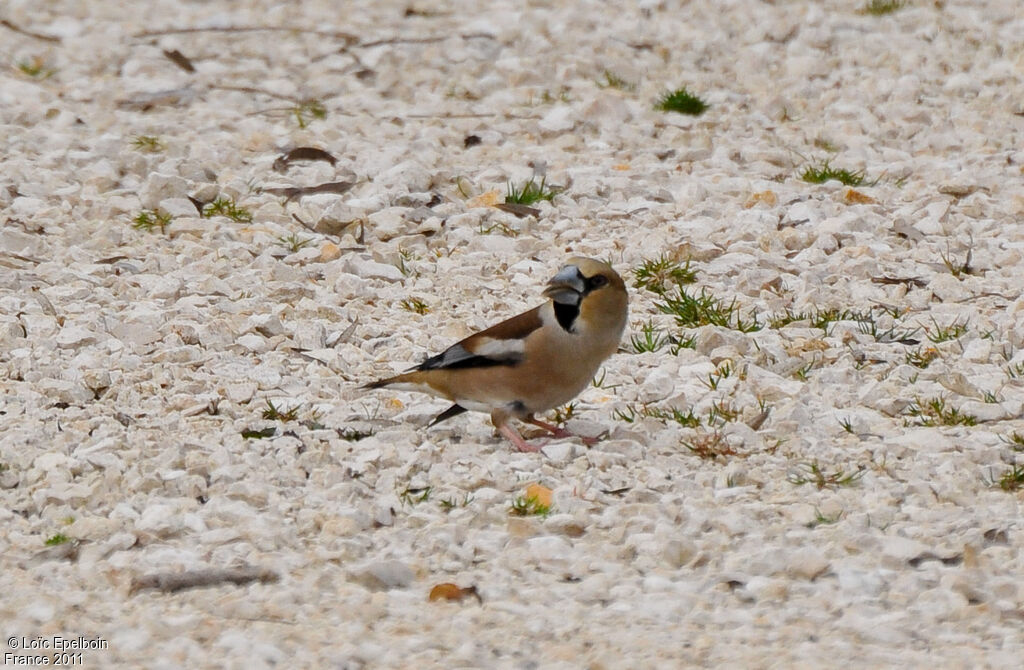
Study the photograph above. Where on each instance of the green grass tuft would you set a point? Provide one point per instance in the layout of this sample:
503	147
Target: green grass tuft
272	413
649	339
681	101
227	207
528	506
612	80
657	275
293	242
414	305
59	538
946	333
823	171
148	219
35	68
692	311
812	473
922	358
882	7
148	143
529	193
934	412
308	110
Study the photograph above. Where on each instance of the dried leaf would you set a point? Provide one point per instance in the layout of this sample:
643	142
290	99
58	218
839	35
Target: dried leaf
489	199
302	154
449	591
541	494
519	210
857	198
292	192
767	197
179	59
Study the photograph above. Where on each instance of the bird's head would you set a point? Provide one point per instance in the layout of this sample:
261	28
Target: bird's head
588	294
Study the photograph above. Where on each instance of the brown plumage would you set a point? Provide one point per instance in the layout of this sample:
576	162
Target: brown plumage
532	362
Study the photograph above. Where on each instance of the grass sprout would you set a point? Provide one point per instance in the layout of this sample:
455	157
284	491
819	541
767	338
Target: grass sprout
882	7
945	333
1011	480
710	446
692	311
528	506
293	242
922	358
227	207
529	193
956	268
308	110
812	473
414	305
681	101
35	68
562	414
822	172
272	413
148	144
649	339
1015	440
934	412
659	274
612	80
149	219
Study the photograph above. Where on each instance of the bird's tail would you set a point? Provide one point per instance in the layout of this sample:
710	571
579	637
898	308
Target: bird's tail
404	378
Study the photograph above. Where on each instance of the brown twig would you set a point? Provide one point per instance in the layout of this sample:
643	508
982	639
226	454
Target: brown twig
248	29
39	36
171	582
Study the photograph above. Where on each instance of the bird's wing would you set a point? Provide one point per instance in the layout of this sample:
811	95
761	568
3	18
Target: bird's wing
501	344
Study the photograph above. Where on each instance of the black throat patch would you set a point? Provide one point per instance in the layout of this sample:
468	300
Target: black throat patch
566	315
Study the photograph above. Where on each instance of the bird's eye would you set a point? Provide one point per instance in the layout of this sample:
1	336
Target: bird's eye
597	281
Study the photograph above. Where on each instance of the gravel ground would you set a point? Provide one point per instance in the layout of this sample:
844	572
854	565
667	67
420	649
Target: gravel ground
136	365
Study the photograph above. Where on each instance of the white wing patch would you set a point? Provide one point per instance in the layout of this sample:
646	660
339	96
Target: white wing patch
500	349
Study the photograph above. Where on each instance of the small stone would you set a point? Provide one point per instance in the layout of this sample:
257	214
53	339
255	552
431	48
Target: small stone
364	267
71	337
806	563
388	223
159	187
559	452
384	575
329	252
558	120
253	342
178	207
268	325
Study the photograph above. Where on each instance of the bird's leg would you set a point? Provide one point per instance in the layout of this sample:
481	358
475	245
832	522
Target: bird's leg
500	420
551	428
559	432
516	439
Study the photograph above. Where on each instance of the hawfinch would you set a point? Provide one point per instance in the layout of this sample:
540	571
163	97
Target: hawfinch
533	362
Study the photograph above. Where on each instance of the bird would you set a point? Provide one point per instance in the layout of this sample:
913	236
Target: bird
532	362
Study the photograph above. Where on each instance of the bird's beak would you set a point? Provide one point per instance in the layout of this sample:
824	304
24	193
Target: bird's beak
567	286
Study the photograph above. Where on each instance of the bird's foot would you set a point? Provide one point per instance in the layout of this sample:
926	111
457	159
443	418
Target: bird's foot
561	432
516	439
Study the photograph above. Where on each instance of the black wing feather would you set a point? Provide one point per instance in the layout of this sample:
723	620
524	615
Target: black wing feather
457	356
454	410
